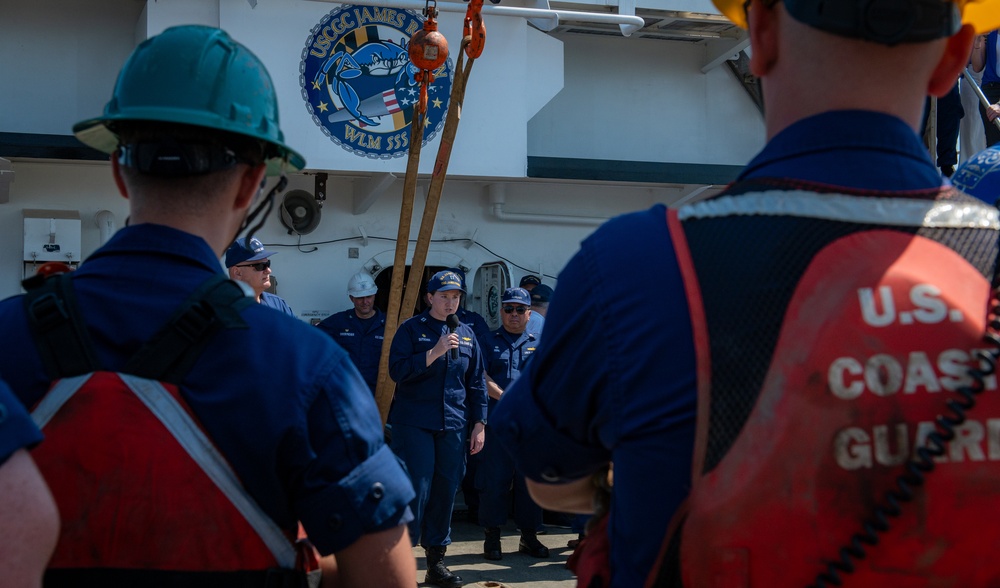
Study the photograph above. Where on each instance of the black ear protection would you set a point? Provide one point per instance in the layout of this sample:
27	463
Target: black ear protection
167	157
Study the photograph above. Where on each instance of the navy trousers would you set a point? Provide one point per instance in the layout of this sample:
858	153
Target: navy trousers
949	119
496	478
436	464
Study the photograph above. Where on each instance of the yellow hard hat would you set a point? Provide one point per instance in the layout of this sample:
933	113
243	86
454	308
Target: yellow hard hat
984	15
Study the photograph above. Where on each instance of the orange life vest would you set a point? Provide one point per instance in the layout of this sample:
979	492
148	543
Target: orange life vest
830	331
144	496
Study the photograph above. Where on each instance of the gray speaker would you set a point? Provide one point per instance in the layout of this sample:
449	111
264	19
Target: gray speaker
300	212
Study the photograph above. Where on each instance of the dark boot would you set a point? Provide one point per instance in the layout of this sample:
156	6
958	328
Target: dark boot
437	573
531	545
491	547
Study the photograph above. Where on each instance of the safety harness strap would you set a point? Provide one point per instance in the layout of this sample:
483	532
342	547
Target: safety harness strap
172	352
62	339
67	351
65	347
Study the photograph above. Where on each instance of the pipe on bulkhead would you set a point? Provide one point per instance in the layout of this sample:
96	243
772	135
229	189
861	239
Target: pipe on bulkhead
498	198
105	221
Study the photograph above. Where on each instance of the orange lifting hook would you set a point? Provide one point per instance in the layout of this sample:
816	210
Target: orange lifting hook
428	51
474	29
428	48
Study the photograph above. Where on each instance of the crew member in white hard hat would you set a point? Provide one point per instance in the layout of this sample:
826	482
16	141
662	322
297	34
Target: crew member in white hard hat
788	363
360	330
250	263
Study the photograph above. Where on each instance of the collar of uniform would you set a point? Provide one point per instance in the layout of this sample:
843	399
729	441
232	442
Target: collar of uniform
161	240
425	317
379	315
849	148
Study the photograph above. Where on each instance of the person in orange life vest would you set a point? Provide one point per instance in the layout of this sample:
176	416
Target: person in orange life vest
28	515
251	264
202	476
809	229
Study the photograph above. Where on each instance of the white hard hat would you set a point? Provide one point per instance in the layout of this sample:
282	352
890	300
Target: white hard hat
361	284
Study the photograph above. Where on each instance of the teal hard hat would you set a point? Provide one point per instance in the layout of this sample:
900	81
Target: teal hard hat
195	75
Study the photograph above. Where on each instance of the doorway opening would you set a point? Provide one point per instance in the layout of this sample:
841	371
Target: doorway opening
383	281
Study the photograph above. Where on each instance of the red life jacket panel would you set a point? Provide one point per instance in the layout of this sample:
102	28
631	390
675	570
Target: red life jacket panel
155	494
143	494
830	331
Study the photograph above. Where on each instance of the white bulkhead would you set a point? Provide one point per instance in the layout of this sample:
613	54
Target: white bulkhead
561	129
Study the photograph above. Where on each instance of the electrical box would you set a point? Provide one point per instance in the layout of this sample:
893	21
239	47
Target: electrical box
51	235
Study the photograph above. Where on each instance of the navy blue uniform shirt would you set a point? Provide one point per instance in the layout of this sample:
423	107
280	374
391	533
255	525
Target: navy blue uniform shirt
614	376
276	302
445	395
474	320
504	355
282	402
361	339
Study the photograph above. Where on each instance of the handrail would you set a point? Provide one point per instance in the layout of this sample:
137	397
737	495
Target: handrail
628	24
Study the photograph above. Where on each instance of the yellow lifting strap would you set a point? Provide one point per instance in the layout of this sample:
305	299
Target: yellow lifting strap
400	308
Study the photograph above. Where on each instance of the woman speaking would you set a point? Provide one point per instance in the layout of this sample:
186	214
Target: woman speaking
437	366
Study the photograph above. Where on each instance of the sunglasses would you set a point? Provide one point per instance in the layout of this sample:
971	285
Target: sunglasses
259	266
517	309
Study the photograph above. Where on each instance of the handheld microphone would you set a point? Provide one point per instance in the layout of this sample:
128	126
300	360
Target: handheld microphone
453	323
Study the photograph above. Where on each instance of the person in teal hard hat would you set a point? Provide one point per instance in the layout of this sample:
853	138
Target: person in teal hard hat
192	102
204	469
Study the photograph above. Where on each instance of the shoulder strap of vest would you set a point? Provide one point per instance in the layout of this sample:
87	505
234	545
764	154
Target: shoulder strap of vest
62	339
65	347
172	352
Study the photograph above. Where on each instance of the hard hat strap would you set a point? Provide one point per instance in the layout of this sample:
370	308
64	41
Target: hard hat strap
265	206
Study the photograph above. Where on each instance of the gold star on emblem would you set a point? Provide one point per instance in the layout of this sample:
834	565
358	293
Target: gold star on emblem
323	106
315	85
436	102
